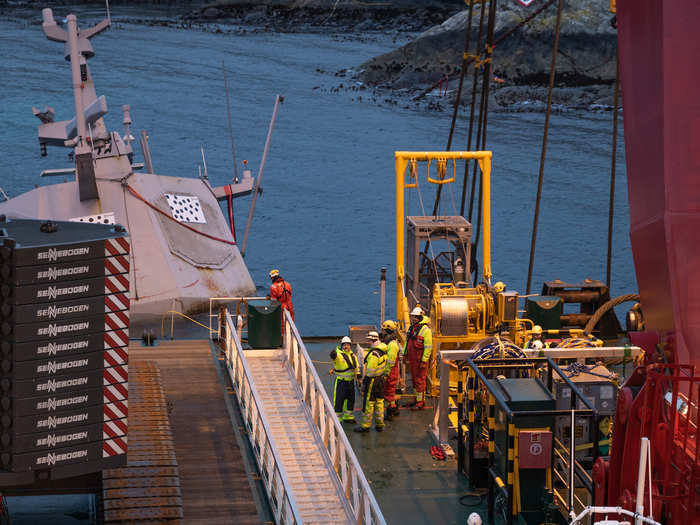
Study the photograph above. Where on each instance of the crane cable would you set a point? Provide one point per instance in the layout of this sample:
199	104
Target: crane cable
484	111
612	169
552	73
495	43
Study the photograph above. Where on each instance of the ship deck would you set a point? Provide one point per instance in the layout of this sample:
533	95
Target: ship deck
214	482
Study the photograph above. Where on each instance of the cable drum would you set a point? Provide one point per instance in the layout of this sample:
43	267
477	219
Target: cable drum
454	316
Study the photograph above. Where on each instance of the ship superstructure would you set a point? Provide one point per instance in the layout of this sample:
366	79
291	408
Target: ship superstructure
183	249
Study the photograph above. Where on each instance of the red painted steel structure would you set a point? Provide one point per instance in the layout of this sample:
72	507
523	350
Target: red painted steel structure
659	49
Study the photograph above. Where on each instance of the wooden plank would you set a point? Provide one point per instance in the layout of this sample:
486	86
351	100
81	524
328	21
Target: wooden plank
213	481
130	515
161	481
139	492
136	502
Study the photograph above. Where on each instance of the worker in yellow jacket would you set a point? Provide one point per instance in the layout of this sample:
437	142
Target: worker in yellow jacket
346	370
391	374
373	385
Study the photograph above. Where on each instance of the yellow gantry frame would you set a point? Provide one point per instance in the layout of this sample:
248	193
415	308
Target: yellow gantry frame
402	158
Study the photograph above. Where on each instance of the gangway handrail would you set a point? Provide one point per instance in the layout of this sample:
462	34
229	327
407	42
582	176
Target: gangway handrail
264	449
347	468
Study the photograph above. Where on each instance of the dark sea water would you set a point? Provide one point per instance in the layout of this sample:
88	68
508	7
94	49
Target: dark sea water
326	217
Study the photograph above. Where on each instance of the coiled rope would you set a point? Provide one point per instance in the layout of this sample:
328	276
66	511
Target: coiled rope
497	348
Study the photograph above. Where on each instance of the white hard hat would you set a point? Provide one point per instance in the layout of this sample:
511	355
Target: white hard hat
474	519
373	335
417	311
345	339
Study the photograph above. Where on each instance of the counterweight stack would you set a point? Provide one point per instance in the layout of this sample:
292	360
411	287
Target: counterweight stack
64	342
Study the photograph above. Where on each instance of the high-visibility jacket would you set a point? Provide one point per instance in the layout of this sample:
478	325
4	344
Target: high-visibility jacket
537	344
375	360
392	353
344	364
420	338
281	291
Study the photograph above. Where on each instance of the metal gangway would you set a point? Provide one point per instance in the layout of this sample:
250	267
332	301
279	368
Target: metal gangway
309	469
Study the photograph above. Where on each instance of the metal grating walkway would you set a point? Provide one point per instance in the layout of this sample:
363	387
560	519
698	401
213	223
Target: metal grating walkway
317	493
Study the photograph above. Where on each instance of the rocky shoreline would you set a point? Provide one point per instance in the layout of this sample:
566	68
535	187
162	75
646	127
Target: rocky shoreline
520	62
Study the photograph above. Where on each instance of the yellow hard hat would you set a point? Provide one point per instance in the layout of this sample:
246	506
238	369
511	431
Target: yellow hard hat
537	330
389	326
274	273
499	287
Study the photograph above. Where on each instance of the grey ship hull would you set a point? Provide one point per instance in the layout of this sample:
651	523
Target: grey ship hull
171	267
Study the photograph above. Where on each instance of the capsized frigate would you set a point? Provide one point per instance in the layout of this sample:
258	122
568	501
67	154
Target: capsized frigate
182	249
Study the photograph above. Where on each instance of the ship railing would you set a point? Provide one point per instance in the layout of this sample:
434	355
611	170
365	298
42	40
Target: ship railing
236	302
269	463
347	468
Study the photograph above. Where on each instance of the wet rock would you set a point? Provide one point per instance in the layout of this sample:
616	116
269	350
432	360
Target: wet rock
521	59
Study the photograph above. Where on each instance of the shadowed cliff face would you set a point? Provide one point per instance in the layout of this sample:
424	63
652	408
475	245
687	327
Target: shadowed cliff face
586	55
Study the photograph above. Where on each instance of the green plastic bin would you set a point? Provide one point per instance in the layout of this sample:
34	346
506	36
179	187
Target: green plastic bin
545	310
264	324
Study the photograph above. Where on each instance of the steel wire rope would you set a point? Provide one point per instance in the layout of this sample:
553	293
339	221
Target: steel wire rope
484	110
613	164
429	242
458	97
600	312
472	110
543	155
495	43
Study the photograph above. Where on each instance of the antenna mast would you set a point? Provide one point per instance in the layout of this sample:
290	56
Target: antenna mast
230	129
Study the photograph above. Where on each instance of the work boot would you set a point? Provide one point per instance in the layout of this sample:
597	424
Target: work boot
379	428
350	420
388	416
394	411
420	405
361	429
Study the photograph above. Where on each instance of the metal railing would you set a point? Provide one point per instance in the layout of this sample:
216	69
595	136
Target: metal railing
213	301
352	479
275	480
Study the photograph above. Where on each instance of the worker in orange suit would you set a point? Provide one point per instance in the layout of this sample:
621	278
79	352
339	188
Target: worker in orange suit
281	290
418	350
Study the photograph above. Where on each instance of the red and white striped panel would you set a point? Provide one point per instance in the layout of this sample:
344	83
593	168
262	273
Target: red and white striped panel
116	246
117	264
114	393
117	302
116	283
114	436
115	375
117	320
114	447
116	428
116	339
118	410
116	356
